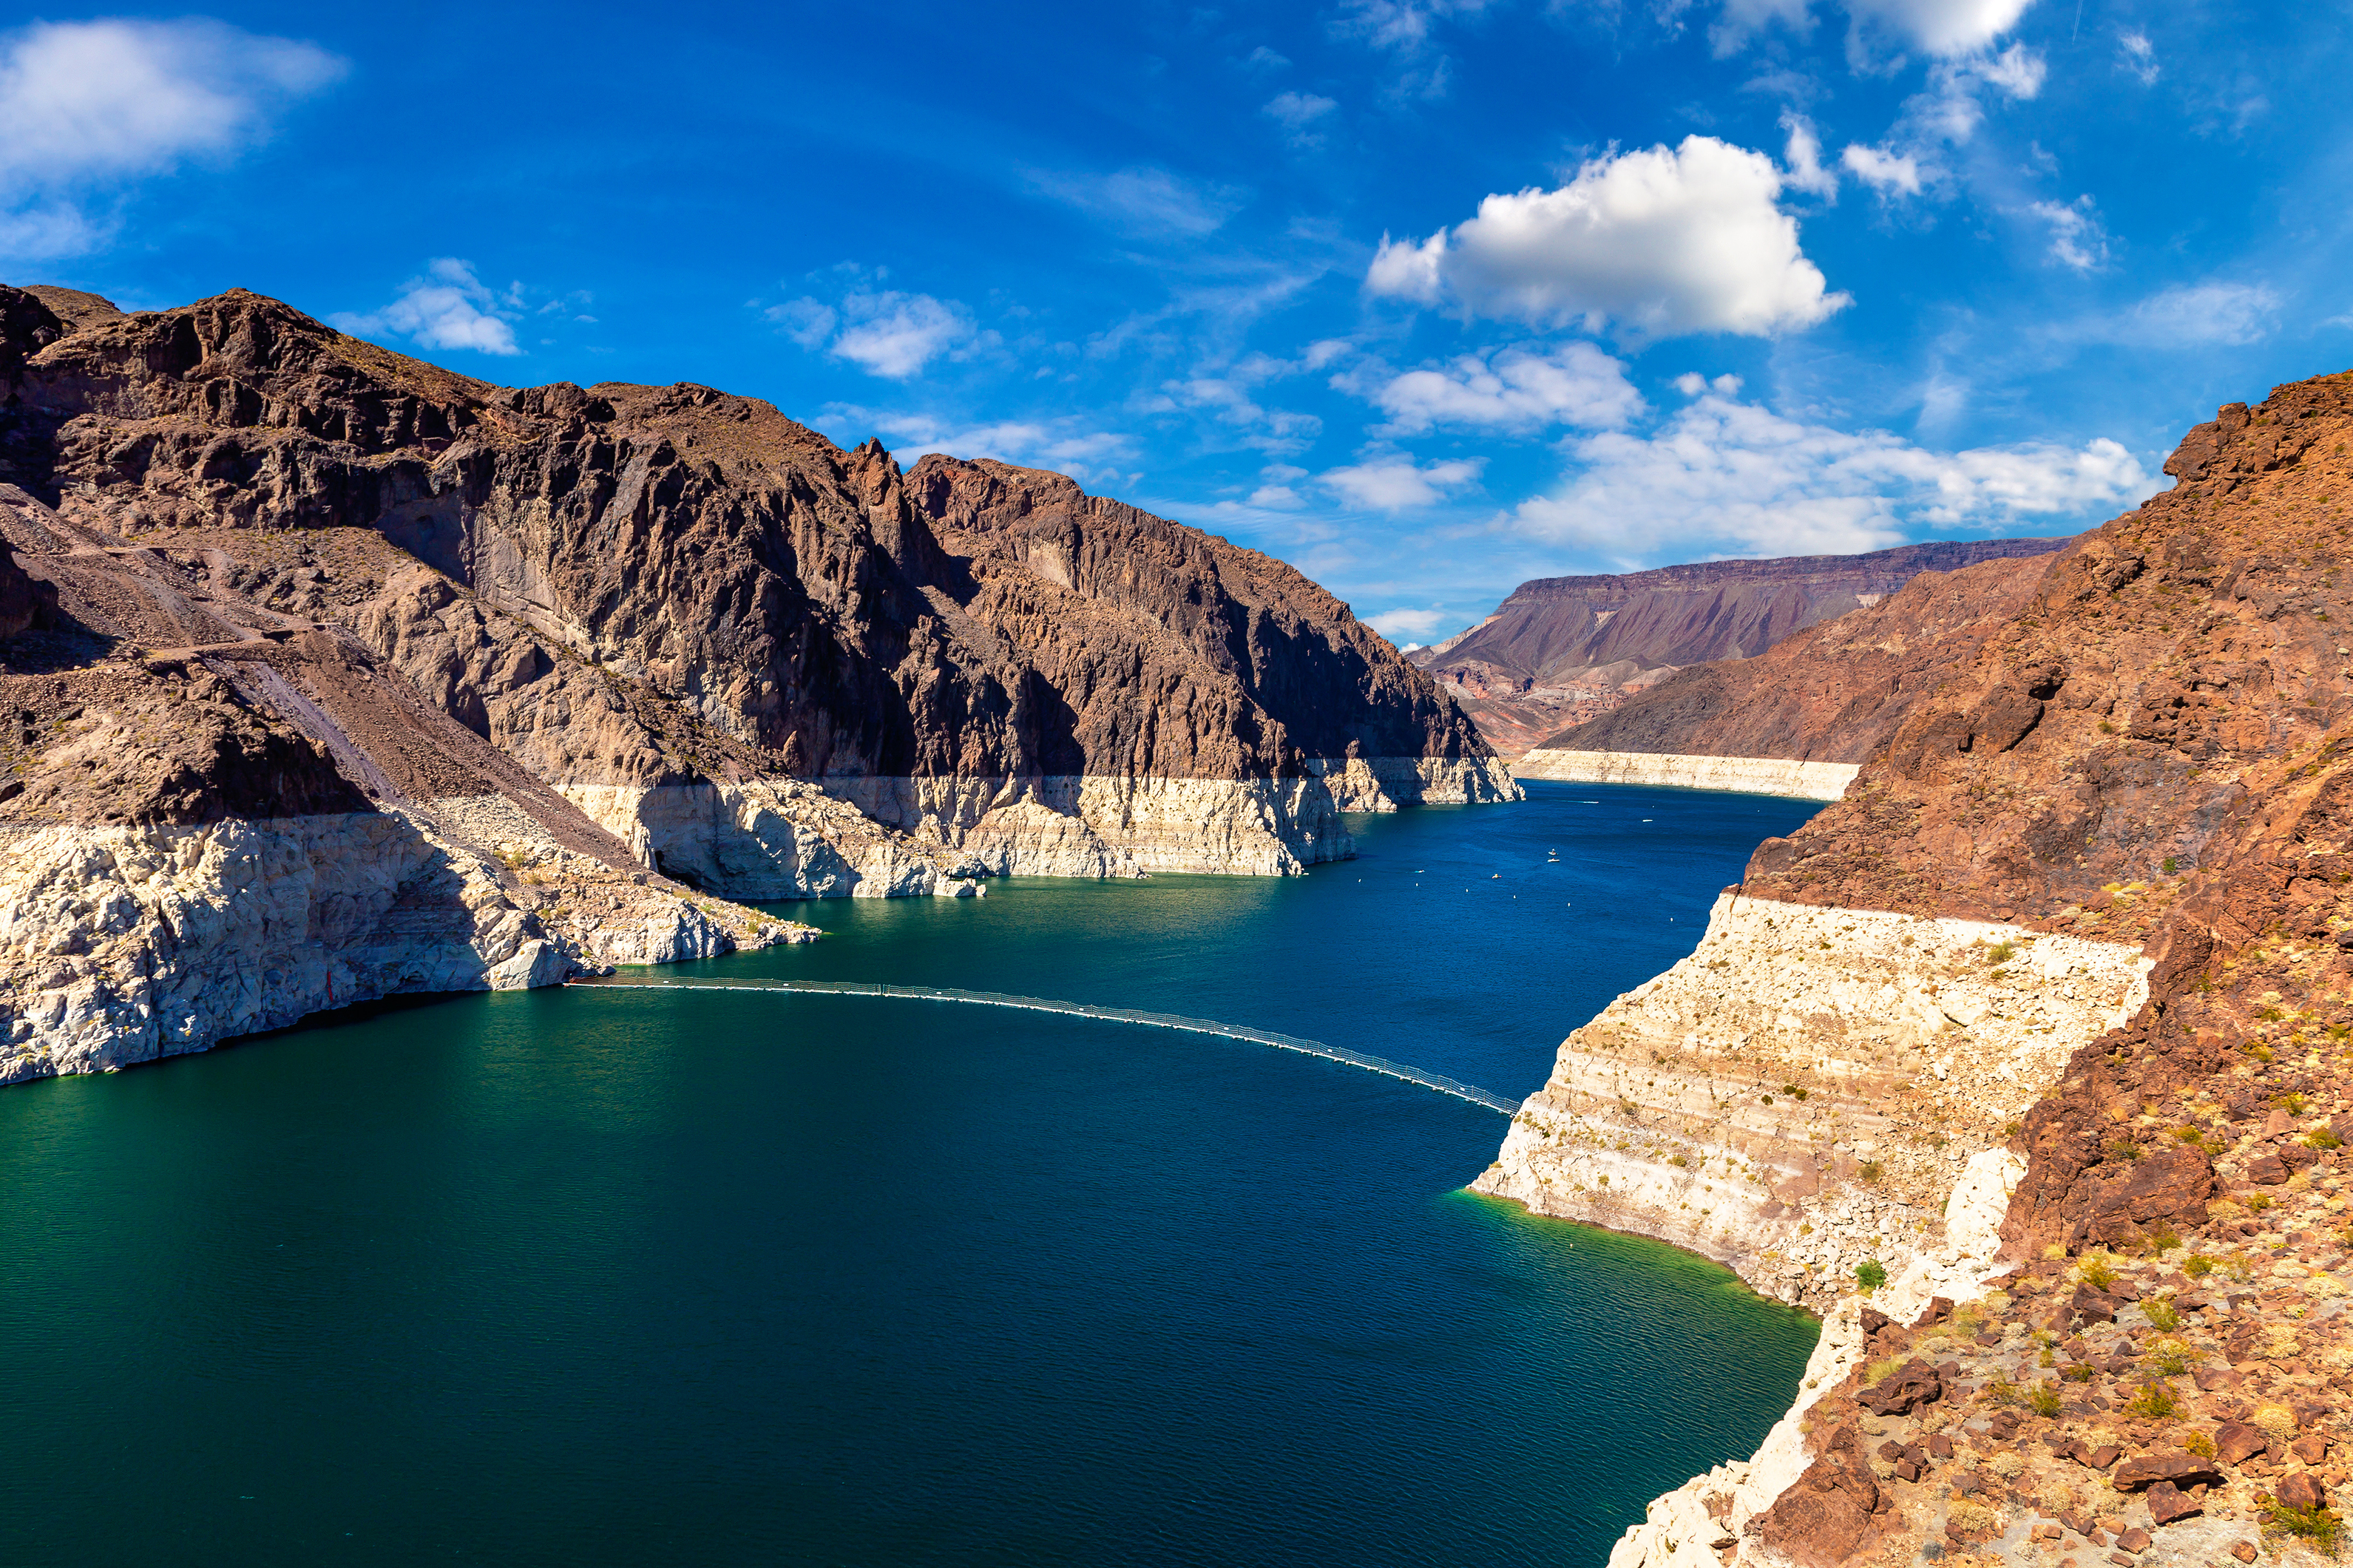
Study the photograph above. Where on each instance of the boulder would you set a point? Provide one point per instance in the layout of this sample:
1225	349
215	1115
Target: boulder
2302	1490
2266	1171
2180	1468
2236	1442
1903	1391
2166	1502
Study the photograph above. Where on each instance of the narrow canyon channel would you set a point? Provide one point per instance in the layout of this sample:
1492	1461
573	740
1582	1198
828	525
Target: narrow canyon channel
589	1276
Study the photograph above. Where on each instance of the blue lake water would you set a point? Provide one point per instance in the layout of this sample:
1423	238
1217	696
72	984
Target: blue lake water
602	1277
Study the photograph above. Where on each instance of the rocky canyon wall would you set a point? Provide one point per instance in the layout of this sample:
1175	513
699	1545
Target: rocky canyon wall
2139	1350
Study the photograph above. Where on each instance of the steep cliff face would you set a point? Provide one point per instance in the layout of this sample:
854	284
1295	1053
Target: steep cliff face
218	820
2152	758
678	607
1563	651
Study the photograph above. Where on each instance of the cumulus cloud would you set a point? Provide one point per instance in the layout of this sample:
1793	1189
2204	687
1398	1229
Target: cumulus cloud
883	331
1397	484
1942	27
2078	238
1149	203
1518	390
1735	478
2137	56
1658	243
86	107
445	307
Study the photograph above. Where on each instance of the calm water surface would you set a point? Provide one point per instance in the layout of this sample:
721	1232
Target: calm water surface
591	1277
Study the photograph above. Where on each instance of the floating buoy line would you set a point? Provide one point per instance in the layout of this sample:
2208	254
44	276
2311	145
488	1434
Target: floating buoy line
1382	1065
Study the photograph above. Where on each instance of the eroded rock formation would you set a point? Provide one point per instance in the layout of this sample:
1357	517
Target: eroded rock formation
2144	1350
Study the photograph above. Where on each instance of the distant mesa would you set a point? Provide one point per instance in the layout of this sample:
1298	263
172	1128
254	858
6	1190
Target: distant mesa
1564	650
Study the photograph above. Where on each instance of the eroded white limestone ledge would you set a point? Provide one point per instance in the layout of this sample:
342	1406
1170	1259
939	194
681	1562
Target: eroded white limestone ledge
1737	775
1803	1091
902	836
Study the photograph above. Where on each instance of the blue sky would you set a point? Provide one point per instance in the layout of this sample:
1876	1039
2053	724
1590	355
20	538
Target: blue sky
1425	296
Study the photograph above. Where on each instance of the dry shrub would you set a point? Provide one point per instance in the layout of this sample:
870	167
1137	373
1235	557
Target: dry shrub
2276	1422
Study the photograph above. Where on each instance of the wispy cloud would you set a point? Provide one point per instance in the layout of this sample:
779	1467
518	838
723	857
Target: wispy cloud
1145	202
87	107
2078	241
1300	114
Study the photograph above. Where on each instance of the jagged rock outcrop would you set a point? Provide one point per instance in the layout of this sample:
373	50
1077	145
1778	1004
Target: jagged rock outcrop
1563	651
2154	754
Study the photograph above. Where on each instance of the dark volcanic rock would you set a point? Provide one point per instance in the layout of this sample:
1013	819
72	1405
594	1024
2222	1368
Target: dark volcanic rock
2167	1503
1903	1391
2182	1469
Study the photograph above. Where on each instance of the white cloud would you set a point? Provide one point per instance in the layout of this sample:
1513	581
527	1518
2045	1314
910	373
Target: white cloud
90	105
1658	242
1391	624
1297	113
1148	202
1733	478
1517	390
1889	173
894	335
446	308
2078	239
1804	157
884	332
1941	27
2136	56
1396	484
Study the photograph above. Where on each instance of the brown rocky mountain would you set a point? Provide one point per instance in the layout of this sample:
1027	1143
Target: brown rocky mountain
488	679
2025	1063
1562	650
